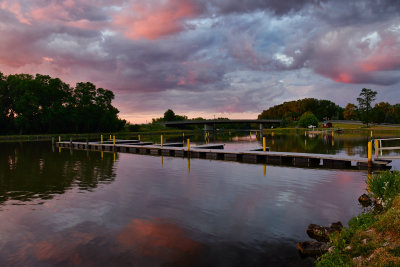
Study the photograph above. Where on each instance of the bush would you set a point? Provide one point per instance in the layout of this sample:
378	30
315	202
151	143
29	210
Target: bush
308	119
385	186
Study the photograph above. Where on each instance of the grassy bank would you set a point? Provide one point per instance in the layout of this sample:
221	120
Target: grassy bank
373	237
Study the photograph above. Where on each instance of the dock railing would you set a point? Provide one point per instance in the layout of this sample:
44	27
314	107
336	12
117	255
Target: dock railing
379	148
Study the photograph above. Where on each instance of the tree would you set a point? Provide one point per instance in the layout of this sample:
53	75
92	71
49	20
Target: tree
323	109
308	119
42	104
367	96
382	112
169	115
350	112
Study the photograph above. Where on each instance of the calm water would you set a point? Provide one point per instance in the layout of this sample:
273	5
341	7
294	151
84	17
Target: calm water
68	208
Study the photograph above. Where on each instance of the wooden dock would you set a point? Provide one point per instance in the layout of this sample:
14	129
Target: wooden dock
216	152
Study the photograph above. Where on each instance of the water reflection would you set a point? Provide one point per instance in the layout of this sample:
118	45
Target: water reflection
34	171
119	209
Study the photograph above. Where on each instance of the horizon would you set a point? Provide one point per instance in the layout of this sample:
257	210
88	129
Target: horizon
201	58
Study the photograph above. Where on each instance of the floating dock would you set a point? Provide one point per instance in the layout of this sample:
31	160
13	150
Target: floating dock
216	152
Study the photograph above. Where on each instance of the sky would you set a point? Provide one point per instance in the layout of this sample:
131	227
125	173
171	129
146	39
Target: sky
208	58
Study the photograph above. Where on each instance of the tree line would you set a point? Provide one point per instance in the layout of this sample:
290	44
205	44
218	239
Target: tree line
381	112
292	111
42	104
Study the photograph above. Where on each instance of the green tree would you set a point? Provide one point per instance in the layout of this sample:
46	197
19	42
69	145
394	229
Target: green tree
367	96
169	115
350	112
307	119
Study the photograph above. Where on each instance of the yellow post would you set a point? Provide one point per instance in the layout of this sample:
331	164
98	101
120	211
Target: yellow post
188	144
101	154
114	157
376	148
370	154
114	140
110	137
161	141
305	133
265	170
264	145
371	134
333	133
138	137
59	138
273	134
101	139
59	149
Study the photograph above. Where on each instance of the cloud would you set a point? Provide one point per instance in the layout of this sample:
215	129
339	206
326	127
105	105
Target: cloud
154	19
358	55
239	55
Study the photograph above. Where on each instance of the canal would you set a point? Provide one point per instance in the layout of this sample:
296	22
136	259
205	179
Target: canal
74	207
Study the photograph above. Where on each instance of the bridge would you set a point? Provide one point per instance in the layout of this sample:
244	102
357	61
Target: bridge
209	125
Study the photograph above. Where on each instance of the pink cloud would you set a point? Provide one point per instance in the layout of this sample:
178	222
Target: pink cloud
14	8
347	56
154	20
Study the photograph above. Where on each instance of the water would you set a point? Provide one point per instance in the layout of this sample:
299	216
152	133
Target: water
75	207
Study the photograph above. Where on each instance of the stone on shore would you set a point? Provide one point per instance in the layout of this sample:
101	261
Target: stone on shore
321	233
312	248
365	200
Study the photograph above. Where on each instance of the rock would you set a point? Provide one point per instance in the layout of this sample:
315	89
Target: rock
336	227
321	233
365	200
312	248
317	232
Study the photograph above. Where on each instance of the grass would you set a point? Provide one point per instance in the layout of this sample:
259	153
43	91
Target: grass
345	126
372	238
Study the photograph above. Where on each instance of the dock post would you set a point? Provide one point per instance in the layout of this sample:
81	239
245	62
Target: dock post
369	154
333	133
161	141
114	140
110	137
264	145
101	139
371	134
138	137
188	145
305	134
59	138
376	148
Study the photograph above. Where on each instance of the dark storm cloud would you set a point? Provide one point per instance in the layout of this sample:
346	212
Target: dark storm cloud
278	7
